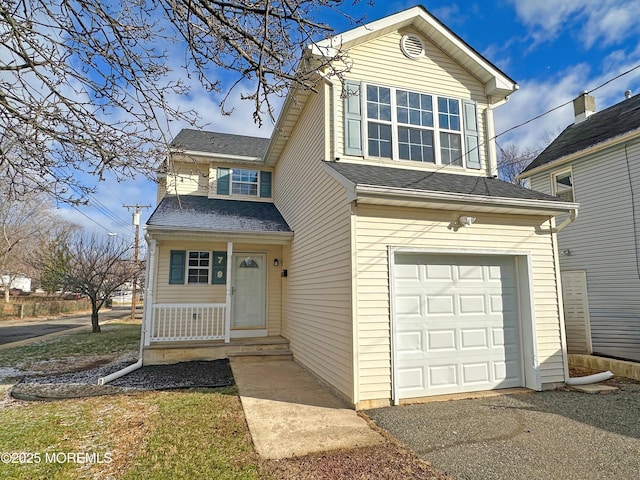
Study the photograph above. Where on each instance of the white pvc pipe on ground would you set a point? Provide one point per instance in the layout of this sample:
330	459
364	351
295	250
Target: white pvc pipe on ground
595	378
120	373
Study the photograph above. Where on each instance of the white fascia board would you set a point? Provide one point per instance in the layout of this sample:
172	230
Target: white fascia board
173	233
544	206
220	156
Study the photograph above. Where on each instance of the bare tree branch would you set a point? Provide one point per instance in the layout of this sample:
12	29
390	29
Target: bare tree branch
86	85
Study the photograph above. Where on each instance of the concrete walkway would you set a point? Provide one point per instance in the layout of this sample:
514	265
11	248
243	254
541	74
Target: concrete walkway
290	414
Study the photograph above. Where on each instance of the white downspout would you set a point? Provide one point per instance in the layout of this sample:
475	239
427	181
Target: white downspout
595	378
491	134
147	307
573	214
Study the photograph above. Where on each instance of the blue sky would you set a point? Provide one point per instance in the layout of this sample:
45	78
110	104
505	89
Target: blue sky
553	49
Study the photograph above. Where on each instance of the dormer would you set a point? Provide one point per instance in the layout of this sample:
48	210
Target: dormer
217	165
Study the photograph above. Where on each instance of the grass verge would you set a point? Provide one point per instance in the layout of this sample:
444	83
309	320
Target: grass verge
117	337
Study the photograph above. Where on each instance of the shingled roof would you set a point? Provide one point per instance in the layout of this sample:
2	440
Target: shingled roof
617	120
221	143
402	178
191	212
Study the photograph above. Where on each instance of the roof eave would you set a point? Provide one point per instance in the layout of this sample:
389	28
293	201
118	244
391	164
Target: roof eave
244	235
454	201
625	137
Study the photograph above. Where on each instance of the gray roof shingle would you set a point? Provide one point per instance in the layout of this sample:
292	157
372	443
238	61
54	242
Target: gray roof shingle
616	120
435	181
190	212
221	143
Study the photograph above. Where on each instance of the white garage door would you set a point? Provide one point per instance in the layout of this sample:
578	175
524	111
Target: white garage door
456	324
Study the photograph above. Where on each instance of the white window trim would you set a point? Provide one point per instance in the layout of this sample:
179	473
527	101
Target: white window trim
556	174
188	267
231	182
395	156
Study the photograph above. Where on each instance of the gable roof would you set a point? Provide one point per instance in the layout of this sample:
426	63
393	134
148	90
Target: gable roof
496	82
615	121
224	144
374	175
197	213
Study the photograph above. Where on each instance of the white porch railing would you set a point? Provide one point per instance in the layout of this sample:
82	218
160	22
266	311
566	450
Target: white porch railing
173	322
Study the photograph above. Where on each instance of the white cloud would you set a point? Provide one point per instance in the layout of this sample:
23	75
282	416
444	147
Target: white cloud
538	96
595	21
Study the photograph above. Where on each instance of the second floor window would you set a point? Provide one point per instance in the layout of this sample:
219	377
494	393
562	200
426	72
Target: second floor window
244	182
563	186
405	125
413	126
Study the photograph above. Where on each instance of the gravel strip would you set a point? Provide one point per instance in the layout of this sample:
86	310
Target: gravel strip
209	374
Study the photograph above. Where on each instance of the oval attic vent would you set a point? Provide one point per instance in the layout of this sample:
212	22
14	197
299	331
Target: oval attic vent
412	46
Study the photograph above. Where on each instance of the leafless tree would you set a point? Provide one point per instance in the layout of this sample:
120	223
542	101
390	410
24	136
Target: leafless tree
25	220
87	84
95	267
512	161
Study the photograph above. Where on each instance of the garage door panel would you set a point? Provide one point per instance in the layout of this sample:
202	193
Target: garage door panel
441	340
471	303
474	338
440	304
409	305
465	310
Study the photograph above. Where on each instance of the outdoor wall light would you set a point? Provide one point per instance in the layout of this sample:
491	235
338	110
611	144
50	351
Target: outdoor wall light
276	262
465	220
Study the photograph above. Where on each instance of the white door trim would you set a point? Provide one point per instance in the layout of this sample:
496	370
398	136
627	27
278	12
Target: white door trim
528	348
259	330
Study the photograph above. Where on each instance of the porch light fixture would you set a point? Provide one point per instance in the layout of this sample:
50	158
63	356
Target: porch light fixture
465	221
275	262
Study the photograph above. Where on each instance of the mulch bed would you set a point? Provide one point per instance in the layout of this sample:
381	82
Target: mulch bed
184	375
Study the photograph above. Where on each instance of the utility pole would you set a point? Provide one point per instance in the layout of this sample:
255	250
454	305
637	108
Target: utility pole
136	222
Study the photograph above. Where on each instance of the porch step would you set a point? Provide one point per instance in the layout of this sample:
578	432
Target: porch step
173	352
271	354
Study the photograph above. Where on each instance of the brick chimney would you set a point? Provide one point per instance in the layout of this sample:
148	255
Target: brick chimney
583	107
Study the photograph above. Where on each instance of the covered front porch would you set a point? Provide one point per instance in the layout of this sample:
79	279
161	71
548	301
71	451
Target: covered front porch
215	272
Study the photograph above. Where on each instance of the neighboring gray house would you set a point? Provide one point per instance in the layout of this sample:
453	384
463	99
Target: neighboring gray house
596	162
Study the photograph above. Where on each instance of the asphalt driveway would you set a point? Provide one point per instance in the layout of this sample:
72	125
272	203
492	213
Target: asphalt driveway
547	435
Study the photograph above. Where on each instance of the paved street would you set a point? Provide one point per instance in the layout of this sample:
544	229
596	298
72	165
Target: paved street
22	329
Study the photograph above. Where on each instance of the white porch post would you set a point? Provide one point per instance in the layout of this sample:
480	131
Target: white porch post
147	316
227	334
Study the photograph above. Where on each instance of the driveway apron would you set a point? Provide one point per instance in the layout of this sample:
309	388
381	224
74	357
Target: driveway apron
546	435
290	414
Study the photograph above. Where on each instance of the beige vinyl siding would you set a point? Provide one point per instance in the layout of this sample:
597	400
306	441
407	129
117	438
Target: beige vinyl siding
188	178
380	227
601	242
201	293
379	62
317	291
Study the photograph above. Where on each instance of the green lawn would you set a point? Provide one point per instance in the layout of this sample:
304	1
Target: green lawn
117	337
154	435
151	435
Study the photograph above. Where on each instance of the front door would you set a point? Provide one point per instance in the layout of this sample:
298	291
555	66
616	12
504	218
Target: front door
248	312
